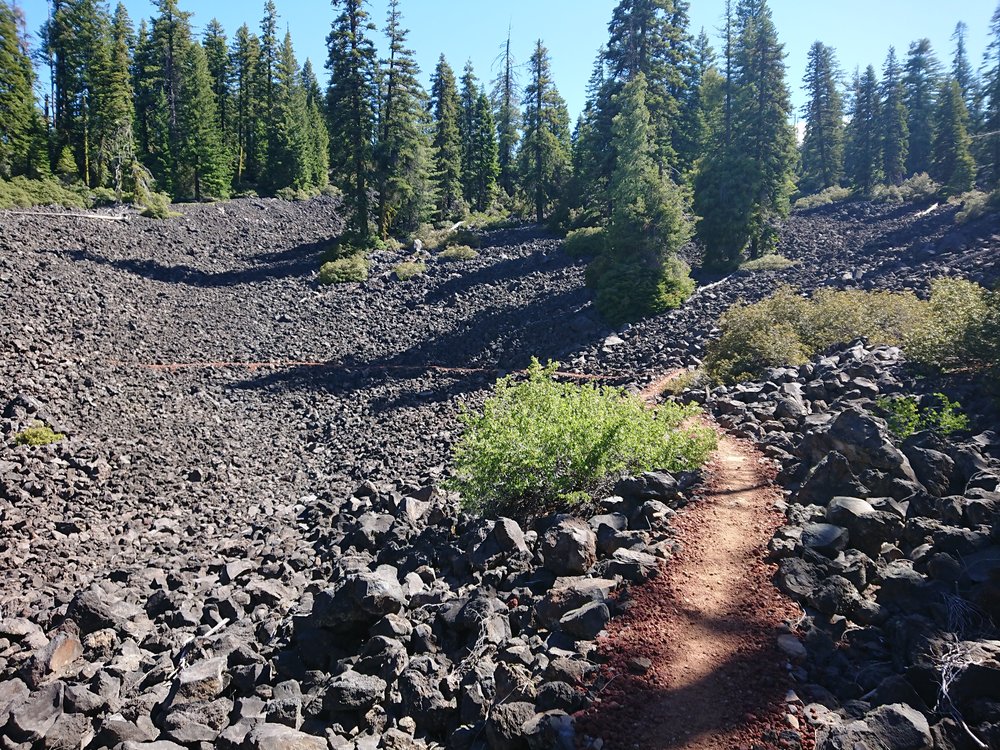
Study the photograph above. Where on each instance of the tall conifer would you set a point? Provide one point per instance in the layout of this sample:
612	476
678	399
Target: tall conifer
507	113
864	160
952	162
893	122
921	87
823	146
447	141
18	118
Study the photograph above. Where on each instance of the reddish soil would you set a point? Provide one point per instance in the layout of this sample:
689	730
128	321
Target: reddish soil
708	624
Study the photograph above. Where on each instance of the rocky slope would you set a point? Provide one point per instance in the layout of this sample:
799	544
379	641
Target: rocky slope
245	449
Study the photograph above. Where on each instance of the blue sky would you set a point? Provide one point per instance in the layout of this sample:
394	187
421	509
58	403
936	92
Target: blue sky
860	30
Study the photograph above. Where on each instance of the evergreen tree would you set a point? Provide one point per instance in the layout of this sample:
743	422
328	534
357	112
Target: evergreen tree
743	187
823	146
544	158
921	85
220	68
699	113
989	152
288	126
893	123
506	103
483	167
962	72
587	192
18	117
317	136
117	151
447	141
864	160
201	163
267	84
640	274
468	97
952	164
351	109
402	154
650	37
244	64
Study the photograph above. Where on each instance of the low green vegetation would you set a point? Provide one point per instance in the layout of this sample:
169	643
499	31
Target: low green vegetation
958	327
409	269
20	192
349	269
771	262
540	444
629	288
835	194
457	253
38	435
585	242
976	205
920	187
905	416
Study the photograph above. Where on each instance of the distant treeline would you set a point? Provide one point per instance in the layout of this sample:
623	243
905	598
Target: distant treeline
130	109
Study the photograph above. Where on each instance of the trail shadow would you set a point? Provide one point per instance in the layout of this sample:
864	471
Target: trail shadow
298	261
733	694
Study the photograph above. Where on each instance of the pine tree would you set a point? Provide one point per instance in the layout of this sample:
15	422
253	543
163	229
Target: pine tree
117	150
893	123
640	274
201	163
952	163
823	146
587	192
287	126
244	64
962	72
266	82
350	108
220	67
650	37
864	159
544	159
402	153
483	166
468	97
447	141
507	113
18	117
989	152
921	85
699	122
317	136
743	187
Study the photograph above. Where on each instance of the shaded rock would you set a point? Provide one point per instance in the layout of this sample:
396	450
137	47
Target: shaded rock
353	691
361	599
30	720
830	477
569	547
505	727
586	622
824	538
280	737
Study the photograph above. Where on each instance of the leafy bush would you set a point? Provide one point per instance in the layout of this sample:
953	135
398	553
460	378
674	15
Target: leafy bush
541	443
682	381
20	192
948	335
787	329
407	270
905	416
586	242
331	191
38	435
920	187
157	206
976	205
352	268
458	252
432	238
627	288
772	262
833	194
298	194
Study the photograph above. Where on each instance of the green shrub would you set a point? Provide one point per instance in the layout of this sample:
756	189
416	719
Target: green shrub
586	242
20	192
432	237
331	191
628	288
920	187
834	194
352	268
948	335
976	205
787	329
297	194
905	416
458	252
38	435
682	381
540	443
771	262
464	236
157	206
407	270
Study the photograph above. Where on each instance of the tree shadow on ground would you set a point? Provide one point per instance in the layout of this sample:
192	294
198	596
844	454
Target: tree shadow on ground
294	262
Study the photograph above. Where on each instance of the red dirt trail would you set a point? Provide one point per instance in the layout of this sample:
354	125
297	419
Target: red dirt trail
709	625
